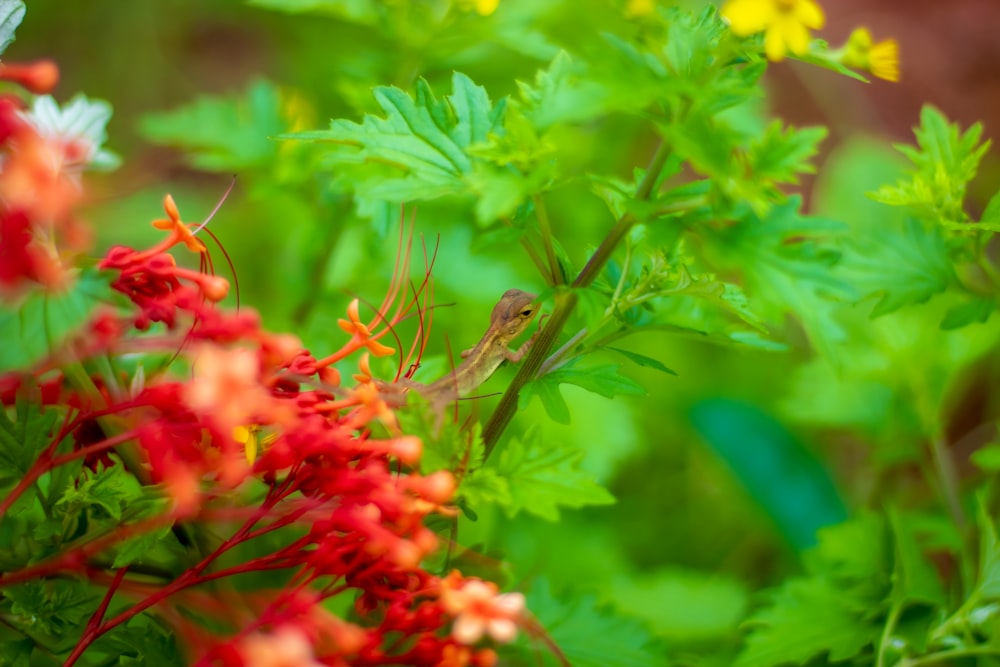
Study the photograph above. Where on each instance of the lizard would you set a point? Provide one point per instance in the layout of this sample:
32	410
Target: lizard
510	317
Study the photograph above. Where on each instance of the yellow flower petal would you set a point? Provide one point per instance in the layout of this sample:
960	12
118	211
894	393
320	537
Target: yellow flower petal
747	17
486	7
774	45
794	34
637	8
809	14
884	60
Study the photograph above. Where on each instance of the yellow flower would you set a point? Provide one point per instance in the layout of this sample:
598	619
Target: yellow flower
481	7
785	22
881	59
638	8
249	437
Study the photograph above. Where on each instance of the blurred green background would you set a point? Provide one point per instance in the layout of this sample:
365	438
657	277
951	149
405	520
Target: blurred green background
723	472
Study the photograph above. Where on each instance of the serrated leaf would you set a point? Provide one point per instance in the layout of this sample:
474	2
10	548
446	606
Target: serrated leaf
604	380
419	149
781	154
835	610
643	360
899	267
44	319
223	133
588	634
144	642
81	121
806	618
976	309
23	439
945	161
485	487
54	611
561	93
789	262
551	397
136	548
991	214
11	15
545	478
105	489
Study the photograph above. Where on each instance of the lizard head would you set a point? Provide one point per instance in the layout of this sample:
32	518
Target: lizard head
514	312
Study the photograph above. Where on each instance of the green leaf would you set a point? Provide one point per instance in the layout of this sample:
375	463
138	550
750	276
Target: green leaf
604	380
588	634
898	267
44	319
22	440
976	309
11	15
143	641
419	149
991	214
780	155
223	134
945	161
136	549
643	360
551	397
789	261
806	618
544	478
485	487
105	490
16	653
81	121
562	93
833	611
53	611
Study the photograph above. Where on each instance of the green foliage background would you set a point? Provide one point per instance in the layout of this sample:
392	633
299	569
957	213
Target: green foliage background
791	371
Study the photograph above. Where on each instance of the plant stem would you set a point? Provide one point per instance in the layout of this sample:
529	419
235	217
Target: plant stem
948	479
948	656
565	303
542	215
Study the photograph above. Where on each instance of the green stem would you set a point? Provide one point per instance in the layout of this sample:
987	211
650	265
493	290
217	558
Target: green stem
528	248
545	228
948	479
565	303
948	656
890	626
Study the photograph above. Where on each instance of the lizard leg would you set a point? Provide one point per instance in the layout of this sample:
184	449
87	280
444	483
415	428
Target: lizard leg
515	356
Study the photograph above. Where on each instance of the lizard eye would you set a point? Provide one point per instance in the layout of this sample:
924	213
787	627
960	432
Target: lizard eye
526	312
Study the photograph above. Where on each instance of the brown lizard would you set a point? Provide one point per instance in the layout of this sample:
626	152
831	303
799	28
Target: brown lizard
510	317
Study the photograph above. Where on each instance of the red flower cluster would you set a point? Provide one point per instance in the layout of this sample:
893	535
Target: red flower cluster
345	506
